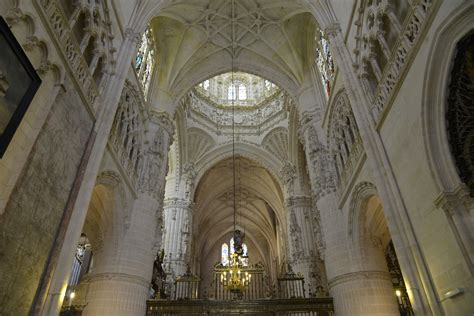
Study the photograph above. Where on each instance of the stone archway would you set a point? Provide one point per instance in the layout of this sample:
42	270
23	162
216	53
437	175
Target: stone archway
454	197
260	214
104	226
368	237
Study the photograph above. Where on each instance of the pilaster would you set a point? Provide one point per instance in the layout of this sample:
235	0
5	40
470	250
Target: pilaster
421	289
59	267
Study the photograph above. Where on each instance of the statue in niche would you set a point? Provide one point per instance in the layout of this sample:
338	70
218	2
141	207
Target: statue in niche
190	173
295	232
288	173
319	161
151	174
315	285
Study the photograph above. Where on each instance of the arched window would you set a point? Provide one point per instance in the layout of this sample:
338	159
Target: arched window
245	257
145	61
141	53
225	254
242	92
231	94
324	61
227	251
460	109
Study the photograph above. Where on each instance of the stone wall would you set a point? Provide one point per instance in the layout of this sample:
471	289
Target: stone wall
36	206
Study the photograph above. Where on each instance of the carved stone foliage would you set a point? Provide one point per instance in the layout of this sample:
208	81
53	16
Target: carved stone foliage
126	136
276	142
318	159
83	31
296	238
288	175
387	32
152	177
249	117
318	230
460	111
345	144
190	179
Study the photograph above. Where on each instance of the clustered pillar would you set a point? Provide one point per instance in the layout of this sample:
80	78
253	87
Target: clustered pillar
123	288
177	235
349	278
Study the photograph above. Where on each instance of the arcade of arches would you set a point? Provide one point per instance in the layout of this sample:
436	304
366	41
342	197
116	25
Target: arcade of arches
348	125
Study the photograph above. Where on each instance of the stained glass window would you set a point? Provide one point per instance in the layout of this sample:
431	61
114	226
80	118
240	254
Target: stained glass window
145	60
242	92
141	53
225	254
231	92
232	245
245	256
227	251
324	62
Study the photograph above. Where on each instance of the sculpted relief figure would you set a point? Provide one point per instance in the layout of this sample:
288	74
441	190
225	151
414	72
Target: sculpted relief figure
295	233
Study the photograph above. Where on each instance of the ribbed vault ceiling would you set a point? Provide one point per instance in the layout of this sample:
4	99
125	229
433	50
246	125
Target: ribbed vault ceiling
197	38
260	207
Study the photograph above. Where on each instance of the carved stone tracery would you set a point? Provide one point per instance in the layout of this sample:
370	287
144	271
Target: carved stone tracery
460	111
126	136
321	173
83	30
387	33
345	144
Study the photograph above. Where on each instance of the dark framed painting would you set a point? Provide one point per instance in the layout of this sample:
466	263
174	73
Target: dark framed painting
18	85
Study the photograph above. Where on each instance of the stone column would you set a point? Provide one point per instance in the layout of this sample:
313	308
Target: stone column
177	235
368	289
303	255
123	288
302	251
412	263
59	267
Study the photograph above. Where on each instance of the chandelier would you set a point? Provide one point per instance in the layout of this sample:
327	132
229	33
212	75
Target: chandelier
234	278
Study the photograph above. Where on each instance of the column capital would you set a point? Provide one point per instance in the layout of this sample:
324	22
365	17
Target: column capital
306	121
333	29
163	120
458	200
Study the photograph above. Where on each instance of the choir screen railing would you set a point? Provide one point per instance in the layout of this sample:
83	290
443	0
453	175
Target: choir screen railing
257	288
260	297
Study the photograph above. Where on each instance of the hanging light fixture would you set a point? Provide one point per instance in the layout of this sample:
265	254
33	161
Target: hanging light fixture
234	278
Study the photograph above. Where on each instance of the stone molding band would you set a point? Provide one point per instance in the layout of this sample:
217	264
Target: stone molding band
115	276
360	275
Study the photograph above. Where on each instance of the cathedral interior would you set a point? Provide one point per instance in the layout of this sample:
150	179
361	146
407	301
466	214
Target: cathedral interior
236	157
